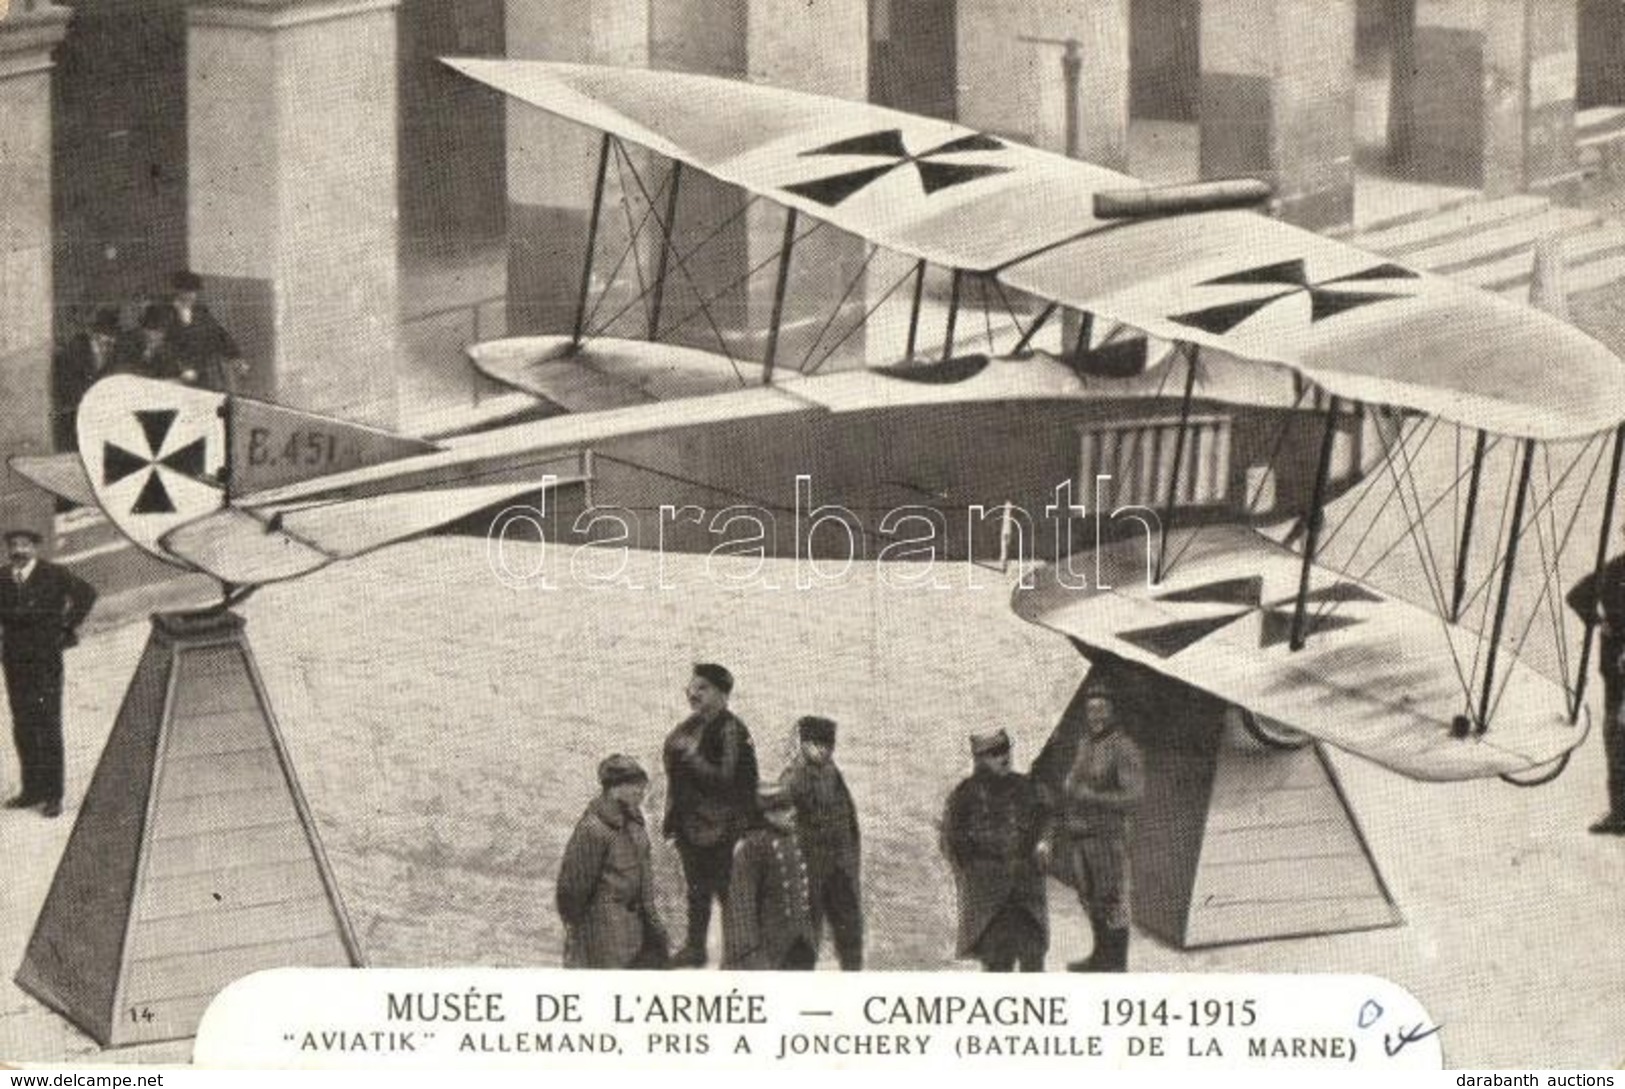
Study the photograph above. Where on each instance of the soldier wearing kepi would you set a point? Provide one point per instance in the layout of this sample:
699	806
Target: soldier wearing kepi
605	891
710	798
827	830
1601	596
1099	795
995	834
767	922
41	608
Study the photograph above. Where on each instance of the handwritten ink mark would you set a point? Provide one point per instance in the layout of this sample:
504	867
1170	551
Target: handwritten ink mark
1407	1036
1370	1013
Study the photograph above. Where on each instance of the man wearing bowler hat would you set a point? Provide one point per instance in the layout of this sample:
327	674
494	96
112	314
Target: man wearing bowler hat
145	351
767	922
88	356
711	781
204	352
827	830
605	889
41	608
995	835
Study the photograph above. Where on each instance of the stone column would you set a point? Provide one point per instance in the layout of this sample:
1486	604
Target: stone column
292	155
552	162
1493	96
1278	101
27	35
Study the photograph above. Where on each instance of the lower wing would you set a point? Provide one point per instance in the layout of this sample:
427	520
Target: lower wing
1376	676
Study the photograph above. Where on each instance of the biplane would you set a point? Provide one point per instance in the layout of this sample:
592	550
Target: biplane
1186	392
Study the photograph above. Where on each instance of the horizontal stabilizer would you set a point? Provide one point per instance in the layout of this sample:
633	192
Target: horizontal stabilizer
248	546
62	475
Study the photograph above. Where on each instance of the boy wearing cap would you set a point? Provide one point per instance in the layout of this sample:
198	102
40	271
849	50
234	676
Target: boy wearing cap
995	833
827	832
767	922
711	781
605	888
1099	796
41	608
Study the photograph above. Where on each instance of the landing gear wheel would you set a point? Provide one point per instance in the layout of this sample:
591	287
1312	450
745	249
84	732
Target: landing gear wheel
1540	776
1272	734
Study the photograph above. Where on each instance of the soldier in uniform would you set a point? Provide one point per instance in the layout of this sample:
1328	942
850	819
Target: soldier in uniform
204	352
710	798
605	891
827	830
995	835
1602	597
767	922
1099	795
41	608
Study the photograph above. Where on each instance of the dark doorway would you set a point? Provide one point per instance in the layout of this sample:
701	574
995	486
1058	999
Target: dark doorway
1602	54
118	170
452	151
1165	50
913	56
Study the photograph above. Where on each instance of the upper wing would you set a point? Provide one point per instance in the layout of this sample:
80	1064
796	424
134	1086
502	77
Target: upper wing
1357	325
1377	676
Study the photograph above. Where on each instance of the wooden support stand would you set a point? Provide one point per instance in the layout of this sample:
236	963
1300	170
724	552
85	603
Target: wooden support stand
194	860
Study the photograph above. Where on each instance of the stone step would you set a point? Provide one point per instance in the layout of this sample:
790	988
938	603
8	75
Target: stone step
1459	221
1579	251
1486	247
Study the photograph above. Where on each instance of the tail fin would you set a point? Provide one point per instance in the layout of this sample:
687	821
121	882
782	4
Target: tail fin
160	455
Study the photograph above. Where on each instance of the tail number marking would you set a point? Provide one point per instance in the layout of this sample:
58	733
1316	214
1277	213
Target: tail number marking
311	449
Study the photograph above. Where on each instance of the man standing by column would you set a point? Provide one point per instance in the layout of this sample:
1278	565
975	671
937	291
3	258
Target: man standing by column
767	922
994	833
1101	791
711	781
1602	597
41	608
827	830
202	349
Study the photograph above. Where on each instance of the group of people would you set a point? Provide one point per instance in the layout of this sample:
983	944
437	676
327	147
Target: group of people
176	339
783	857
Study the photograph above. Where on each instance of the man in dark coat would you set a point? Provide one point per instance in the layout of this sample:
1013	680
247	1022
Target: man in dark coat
710	798
995	835
88	356
41	608
144	352
827	831
767	922
204	352
605	890
1602	597
1099	795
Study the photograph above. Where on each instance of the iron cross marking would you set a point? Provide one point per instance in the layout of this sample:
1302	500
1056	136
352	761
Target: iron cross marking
1327	298
189	461
935	175
1247	595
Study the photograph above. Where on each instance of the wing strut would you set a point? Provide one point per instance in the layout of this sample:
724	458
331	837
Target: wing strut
1505	596
1179	457
914	312
778	296
1317	503
1038	323
1467	524
1596	578
592	242
667	226
953	314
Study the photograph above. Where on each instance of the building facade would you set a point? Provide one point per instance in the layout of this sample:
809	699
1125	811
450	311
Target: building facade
359	211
